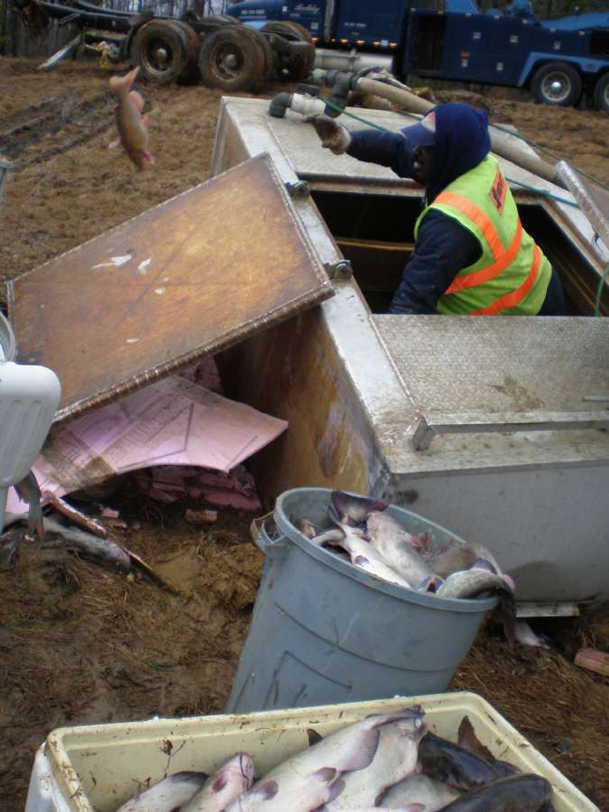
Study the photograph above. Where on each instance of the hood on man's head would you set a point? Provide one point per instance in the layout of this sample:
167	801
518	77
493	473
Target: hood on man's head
461	142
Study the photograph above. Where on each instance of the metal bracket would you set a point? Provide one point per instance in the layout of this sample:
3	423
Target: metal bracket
341	269
504	422
557	609
299	189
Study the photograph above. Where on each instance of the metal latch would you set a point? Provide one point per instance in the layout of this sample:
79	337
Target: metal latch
298	189
504	422
341	269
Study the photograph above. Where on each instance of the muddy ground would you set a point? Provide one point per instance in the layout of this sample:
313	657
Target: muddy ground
79	644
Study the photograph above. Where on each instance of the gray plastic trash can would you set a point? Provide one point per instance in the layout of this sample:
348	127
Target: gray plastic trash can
324	631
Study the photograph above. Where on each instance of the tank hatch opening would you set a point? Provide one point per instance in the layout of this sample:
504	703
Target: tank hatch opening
376	233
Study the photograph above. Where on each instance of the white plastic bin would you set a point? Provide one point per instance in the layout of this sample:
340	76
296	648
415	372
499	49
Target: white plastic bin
97	767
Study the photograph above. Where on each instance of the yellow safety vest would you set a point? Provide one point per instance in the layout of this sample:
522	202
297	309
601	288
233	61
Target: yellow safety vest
512	275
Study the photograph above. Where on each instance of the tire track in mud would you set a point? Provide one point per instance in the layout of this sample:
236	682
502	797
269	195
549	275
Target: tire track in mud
63	122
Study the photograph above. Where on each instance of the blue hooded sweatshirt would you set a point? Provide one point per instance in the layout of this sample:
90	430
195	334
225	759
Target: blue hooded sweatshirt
443	245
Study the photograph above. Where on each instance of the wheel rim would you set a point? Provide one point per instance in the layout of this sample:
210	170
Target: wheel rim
605	97
556	86
158	55
227	61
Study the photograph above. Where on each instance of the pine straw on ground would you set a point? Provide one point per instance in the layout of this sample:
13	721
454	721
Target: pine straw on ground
561	708
82	645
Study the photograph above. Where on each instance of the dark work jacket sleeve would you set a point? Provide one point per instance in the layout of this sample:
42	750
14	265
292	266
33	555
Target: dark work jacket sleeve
384	148
443	246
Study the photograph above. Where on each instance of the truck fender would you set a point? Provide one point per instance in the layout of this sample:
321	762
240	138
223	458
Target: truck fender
136	23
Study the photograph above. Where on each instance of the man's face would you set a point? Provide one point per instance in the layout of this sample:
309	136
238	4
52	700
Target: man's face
423	164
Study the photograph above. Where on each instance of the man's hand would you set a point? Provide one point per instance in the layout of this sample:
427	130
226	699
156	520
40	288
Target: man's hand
333	135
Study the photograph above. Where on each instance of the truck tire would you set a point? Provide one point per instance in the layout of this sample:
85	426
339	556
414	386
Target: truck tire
558	84
601	93
193	40
298	65
164	51
267	56
302	31
231	60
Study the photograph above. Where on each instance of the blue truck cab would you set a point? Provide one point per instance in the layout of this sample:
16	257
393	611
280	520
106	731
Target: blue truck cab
451	39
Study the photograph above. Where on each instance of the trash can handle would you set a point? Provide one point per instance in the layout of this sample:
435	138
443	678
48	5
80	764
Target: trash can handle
270	547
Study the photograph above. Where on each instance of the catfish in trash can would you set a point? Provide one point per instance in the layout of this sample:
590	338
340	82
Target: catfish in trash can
311	778
395	758
364	554
354	510
395	547
170	793
132	127
453	557
518	793
478	580
232	779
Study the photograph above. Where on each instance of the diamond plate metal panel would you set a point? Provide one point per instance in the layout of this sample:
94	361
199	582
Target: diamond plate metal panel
302	147
467	364
192	276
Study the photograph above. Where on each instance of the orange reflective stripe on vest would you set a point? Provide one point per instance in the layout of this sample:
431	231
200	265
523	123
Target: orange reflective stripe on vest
502	257
516	296
478	217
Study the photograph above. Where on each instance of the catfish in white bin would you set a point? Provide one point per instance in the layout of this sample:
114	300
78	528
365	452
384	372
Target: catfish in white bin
132	126
311	778
396	758
420	789
232	779
170	793
409	808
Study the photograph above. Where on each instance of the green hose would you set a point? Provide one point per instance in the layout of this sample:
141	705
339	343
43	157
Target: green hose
537	191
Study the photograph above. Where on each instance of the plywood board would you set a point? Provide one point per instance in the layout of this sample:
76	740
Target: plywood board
194	275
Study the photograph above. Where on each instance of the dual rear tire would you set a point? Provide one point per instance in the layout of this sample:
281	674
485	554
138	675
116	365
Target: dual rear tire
166	51
236	58
299	62
560	84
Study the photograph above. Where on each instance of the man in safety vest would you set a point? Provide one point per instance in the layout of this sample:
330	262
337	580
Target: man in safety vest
471	254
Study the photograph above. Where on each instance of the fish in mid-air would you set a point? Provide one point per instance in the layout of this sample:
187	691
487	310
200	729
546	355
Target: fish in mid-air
132	126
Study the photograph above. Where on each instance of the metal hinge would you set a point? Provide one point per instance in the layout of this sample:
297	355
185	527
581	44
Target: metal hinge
341	269
298	189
